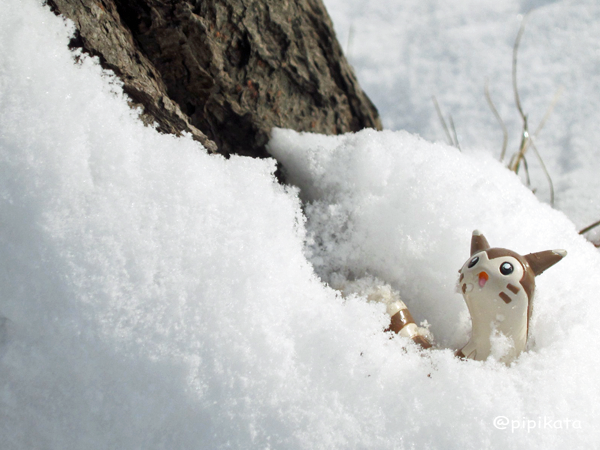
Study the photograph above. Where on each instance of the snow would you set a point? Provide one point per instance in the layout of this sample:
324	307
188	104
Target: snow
154	296
406	51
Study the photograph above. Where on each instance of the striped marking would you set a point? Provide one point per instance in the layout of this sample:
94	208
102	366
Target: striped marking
409	330
513	289
505	297
400	320
403	324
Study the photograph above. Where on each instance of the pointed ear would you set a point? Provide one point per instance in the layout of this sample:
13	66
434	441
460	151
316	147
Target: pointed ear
478	242
540	261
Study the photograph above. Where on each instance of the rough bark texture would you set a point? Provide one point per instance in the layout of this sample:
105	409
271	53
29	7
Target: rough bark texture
227	71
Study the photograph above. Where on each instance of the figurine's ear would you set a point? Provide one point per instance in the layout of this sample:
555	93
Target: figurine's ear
478	242
540	261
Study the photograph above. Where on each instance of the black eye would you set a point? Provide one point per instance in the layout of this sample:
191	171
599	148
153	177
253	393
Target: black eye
506	268
473	262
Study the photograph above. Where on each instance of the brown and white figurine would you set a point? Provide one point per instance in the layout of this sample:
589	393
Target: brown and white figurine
498	286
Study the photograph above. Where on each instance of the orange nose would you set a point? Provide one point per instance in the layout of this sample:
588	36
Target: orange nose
483	277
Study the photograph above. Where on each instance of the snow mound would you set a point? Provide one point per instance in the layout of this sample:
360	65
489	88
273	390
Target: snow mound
406	51
156	297
391	206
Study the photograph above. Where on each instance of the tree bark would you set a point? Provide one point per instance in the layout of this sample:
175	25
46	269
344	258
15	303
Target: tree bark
227	71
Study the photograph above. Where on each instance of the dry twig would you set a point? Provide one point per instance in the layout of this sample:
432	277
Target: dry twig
589	227
452	139
441	117
526	137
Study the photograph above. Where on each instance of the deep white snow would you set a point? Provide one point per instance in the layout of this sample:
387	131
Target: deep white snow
155	297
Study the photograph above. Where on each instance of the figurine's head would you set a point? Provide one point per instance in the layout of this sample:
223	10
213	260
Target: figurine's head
498	286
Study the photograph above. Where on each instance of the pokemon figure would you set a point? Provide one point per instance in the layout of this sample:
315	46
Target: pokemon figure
498	286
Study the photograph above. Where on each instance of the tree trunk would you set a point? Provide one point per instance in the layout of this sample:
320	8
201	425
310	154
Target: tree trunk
227	71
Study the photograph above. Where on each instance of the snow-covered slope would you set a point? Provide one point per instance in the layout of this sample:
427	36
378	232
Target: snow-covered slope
152	296
393	206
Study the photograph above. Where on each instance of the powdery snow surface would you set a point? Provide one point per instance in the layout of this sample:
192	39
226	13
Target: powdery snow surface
393	206
156	297
406	51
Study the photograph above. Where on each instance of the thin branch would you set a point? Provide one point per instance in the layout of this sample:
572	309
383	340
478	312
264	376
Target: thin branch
441	117
526	138
589	227
498	118
512	160
526	165
545	171
522	147
456	144
555	99
514	66
525	135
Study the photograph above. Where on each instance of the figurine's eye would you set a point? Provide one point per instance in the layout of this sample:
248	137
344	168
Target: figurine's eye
506	268
473	262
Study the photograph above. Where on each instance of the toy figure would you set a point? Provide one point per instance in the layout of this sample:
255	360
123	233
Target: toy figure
498	286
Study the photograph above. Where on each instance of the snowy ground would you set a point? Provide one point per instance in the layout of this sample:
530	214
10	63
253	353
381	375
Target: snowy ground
153	296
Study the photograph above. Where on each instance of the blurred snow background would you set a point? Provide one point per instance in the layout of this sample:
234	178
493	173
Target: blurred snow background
406	51
152	296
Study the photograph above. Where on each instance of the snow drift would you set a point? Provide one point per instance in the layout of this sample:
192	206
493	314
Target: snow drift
405	51
153	296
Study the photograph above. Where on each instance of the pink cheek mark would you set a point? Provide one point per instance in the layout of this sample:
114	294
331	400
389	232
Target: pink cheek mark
483	277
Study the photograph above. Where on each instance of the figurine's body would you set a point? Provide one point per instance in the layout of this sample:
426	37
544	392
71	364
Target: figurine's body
498	286
497	304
